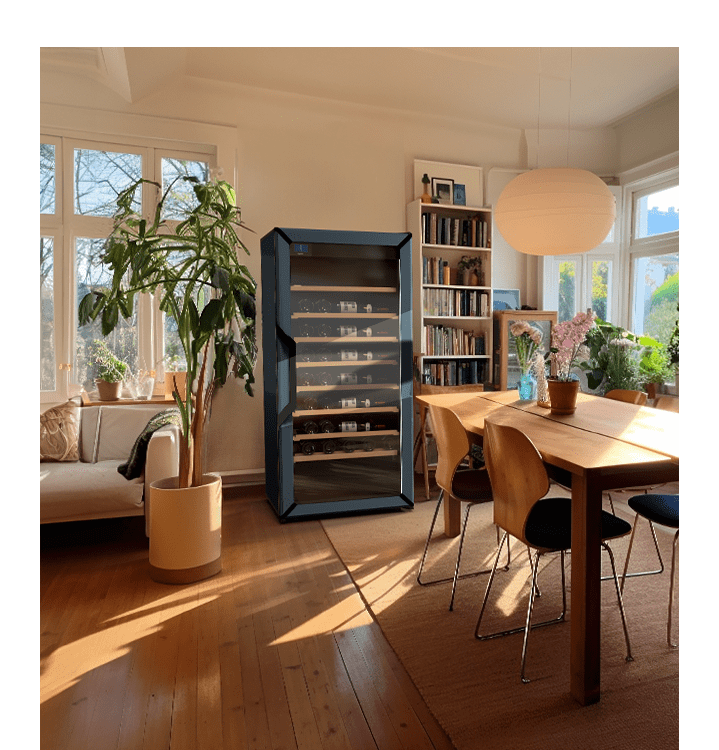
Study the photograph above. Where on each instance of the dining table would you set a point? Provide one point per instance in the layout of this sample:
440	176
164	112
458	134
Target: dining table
604	445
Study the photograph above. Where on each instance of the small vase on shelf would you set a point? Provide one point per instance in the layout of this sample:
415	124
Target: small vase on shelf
426	197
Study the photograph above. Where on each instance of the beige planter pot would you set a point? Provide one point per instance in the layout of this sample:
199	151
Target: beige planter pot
185	530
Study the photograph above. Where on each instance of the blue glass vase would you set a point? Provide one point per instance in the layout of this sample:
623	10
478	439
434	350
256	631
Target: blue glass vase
527	387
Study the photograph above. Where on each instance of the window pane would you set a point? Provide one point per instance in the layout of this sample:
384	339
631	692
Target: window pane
47	178
567	290
47	316
100	176
657	213
122	341
182	197
655	295
601	287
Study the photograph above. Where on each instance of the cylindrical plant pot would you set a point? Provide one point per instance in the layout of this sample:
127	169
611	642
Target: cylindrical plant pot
185	530
563	395
108	391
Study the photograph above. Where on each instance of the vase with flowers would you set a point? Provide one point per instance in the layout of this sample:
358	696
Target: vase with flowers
567	341
470	270
527	340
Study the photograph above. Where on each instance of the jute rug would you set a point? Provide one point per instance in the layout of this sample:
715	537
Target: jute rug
473	687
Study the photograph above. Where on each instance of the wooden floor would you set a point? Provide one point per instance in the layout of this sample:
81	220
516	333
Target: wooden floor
277	651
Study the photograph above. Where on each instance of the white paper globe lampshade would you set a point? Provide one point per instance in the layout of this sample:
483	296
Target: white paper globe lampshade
555	211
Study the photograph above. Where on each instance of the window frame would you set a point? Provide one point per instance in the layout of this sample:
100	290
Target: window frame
64	226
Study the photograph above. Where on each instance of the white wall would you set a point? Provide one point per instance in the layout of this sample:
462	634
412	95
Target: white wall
304	162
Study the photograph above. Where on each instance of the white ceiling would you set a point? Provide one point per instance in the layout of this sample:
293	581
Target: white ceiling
587	87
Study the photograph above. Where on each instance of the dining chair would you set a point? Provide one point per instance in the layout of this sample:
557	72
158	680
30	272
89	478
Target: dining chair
631	397
519	485
664	510
425	425
471	486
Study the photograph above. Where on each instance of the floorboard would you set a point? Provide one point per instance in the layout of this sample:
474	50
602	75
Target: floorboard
277	652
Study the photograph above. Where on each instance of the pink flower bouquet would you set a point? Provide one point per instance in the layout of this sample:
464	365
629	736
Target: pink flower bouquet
567	339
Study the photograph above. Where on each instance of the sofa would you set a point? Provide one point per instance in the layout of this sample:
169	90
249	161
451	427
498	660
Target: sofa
81	448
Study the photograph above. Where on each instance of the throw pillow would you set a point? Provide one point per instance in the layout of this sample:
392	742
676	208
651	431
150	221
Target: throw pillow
60	433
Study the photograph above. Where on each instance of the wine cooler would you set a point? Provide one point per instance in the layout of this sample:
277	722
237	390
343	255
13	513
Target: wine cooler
337	356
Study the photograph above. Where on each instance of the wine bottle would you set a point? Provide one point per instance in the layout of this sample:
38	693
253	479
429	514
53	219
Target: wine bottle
307	403
352	426
328	446
323	306
309	427
306	378
326	426
349	355
326	378
306	330
348	330
308	447
348	378
348	446
305	305
347	306
325	330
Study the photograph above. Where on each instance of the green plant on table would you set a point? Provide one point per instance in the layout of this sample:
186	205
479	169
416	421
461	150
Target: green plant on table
109	368
197	258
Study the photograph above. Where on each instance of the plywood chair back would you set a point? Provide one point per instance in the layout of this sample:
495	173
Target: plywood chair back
517	474
631	397
452	445
670	403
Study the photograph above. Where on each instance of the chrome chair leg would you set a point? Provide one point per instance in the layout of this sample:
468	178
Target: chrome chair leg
629	656
629	552
534	590
671	592
456	577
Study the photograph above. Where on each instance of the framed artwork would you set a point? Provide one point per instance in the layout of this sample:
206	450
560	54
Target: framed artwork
460	195
444	190
505	299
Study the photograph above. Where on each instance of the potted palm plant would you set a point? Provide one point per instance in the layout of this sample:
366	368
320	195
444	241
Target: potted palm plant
196	259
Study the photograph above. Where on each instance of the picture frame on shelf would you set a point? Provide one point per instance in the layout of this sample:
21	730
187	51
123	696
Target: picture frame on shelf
505	299
459	194
444	190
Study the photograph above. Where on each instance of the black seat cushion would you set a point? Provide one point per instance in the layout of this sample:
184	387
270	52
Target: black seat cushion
549	524
661	509
473	485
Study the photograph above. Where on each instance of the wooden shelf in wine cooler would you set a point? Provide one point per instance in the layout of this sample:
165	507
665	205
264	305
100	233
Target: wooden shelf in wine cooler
358	453
348	363
358	410
377	315
360	289
345	339
348	435
351	387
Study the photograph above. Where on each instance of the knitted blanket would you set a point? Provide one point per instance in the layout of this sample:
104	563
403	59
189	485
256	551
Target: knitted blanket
135	464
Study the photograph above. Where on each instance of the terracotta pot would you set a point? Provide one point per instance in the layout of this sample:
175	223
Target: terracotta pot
108	391
185	530
563	395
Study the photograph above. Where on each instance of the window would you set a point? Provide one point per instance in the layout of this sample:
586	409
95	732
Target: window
654	257
86	177
574	283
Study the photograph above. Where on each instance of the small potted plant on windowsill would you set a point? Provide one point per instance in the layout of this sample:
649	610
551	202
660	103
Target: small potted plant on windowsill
111	371
654	366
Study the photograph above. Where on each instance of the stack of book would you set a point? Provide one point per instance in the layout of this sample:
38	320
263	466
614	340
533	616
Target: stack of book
441	341
448	230
455	373
455	302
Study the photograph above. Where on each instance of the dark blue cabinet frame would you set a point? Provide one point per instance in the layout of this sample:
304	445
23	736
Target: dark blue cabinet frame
279	352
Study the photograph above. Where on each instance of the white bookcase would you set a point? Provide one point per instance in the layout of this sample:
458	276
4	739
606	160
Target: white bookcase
452	321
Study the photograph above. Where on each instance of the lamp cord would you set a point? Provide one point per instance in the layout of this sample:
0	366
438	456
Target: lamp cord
569	107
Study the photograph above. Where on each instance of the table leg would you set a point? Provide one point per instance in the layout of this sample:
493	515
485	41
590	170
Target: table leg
586	590
452	515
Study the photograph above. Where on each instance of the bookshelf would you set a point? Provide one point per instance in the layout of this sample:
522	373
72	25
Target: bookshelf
452	314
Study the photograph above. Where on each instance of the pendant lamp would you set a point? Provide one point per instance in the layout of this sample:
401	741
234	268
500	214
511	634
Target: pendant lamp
556	211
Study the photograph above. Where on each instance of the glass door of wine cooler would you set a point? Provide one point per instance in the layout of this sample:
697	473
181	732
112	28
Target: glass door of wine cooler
341	433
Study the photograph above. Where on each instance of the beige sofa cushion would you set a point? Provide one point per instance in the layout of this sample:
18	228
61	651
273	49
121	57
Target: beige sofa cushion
60	433
119	429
